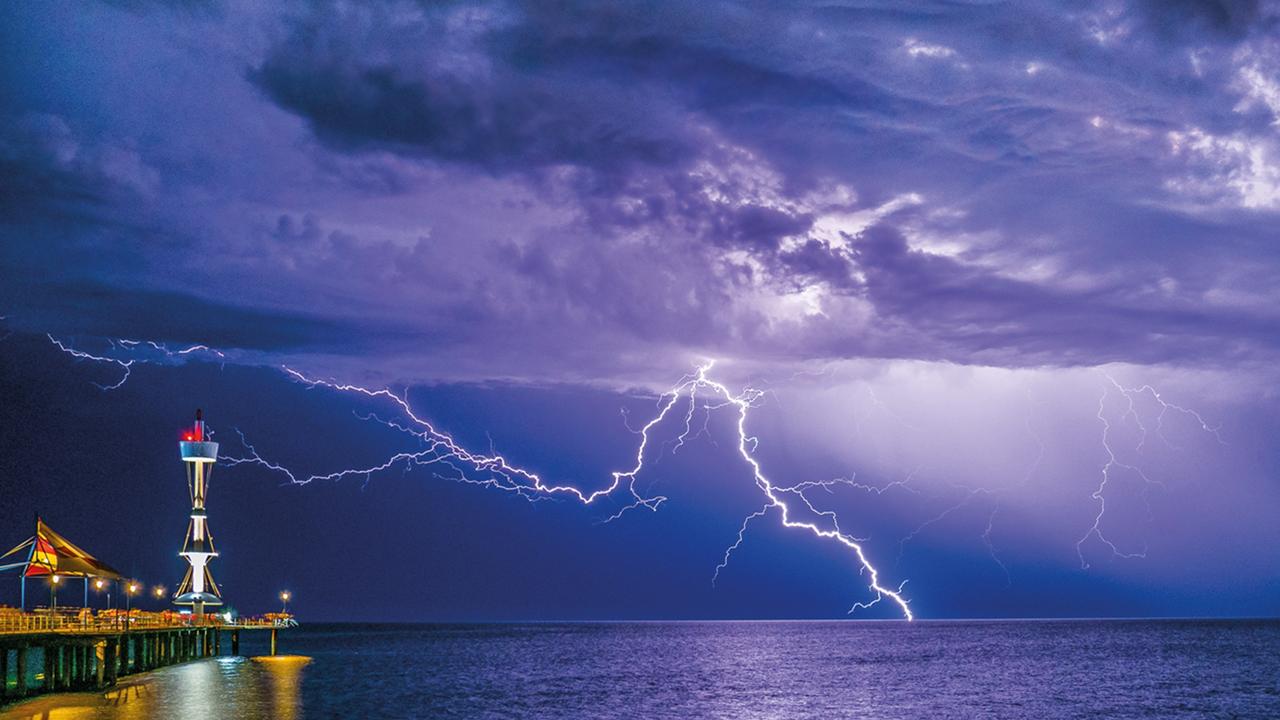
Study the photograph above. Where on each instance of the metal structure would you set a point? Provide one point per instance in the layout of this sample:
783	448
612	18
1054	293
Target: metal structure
198	588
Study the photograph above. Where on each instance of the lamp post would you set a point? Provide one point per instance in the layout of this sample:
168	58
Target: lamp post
159	592
53	593
99	584
128	603
284	601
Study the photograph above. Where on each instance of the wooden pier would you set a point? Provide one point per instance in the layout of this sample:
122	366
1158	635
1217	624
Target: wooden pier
88	653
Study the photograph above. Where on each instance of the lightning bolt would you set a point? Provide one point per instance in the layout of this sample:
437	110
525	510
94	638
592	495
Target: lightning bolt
1131	411
132	348
496	471
1113	463
692	393
126	365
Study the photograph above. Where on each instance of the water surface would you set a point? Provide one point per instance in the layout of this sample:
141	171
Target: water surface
1032	669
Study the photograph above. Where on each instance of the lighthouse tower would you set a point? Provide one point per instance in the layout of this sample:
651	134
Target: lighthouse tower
198	589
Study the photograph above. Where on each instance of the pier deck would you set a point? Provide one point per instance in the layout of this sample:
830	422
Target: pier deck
83	651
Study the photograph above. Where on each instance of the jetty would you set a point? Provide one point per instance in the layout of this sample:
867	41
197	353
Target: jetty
47	651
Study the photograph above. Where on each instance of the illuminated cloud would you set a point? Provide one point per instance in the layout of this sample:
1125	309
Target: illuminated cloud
618	191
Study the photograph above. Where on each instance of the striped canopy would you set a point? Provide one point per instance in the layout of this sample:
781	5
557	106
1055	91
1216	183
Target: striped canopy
48	553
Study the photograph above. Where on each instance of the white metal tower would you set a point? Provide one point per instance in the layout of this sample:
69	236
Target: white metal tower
198	588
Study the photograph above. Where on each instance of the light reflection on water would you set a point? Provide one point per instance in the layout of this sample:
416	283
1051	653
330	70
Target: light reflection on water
1047	670
225	687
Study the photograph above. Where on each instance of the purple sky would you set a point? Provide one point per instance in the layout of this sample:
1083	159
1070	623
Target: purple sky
932	230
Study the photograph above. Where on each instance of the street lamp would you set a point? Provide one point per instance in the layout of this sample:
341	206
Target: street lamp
159	592
284	600
128	604
53	592
99	584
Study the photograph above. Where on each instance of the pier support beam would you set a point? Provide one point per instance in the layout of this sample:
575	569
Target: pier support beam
111	661
122	654
235	642
273	641
21	666
4	673
50	667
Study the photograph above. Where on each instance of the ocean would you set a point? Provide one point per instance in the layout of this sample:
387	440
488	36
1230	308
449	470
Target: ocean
884	670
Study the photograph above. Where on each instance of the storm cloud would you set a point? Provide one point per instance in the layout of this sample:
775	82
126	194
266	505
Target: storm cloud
612	188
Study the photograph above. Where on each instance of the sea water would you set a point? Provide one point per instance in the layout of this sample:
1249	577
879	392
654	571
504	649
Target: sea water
999	669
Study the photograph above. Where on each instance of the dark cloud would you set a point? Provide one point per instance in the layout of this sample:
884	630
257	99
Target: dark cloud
1194	19
45	165
608	184
132	313
422	90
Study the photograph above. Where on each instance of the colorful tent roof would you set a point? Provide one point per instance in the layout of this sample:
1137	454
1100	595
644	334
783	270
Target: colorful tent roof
48	553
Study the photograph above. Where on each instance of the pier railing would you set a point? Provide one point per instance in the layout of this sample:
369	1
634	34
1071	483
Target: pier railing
78	620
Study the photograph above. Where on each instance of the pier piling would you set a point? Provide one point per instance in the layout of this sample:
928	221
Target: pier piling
110	660
48	653
20	687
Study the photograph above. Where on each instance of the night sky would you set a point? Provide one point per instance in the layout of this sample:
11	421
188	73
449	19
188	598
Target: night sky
993	267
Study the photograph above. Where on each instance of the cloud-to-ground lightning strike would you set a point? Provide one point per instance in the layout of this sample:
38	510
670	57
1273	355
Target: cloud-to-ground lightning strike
1113	463
496	471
